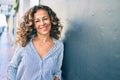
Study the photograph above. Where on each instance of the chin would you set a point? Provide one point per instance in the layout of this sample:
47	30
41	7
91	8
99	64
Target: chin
45	32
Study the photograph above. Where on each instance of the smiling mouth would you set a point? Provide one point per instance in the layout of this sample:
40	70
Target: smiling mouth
43	27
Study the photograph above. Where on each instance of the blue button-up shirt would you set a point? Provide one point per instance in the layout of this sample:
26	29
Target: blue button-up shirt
26	64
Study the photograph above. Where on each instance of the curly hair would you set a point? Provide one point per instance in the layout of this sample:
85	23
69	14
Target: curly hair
26	28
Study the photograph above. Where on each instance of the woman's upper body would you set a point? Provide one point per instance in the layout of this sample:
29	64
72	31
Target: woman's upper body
40	53
26	64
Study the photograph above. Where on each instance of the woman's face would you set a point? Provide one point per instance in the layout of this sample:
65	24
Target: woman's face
42	22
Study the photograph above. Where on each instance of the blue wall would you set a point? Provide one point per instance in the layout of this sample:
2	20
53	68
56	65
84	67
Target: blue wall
92	38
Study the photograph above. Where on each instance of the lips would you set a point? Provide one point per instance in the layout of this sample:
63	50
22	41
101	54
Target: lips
43	27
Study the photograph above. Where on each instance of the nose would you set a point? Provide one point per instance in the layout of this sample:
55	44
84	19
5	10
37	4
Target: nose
42	22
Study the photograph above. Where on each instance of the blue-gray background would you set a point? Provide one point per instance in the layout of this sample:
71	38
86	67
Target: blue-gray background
91	38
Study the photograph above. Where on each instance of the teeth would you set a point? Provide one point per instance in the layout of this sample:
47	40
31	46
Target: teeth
42	27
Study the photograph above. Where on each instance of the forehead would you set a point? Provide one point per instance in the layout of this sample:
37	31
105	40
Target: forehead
41	13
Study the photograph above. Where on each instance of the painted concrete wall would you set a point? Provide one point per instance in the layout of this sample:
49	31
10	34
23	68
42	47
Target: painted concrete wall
91	38
24	5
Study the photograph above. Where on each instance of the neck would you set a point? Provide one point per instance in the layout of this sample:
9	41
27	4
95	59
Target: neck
43	39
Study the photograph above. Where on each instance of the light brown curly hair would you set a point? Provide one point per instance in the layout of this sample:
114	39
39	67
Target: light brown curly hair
26	28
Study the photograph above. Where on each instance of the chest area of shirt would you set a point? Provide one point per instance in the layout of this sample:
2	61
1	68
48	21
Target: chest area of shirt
31	58
32	63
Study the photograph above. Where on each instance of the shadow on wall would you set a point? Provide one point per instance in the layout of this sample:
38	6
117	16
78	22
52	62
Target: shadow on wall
73	59
89	55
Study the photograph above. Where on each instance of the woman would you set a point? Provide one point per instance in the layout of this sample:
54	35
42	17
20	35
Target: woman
40	52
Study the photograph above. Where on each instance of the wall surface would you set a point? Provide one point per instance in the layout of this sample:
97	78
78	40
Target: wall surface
91	38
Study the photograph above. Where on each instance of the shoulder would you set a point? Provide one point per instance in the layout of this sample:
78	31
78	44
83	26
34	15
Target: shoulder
19	48
58	43
18	51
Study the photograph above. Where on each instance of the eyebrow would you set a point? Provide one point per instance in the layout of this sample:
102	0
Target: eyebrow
42	17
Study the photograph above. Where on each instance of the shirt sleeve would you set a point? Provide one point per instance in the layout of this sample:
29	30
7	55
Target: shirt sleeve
60	59
13	65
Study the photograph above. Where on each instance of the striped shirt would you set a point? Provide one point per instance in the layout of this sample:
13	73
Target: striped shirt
26	63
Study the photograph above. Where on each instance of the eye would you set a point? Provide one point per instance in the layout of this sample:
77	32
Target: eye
45	18
37	21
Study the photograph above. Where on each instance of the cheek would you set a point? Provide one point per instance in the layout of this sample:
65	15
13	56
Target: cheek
49	25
